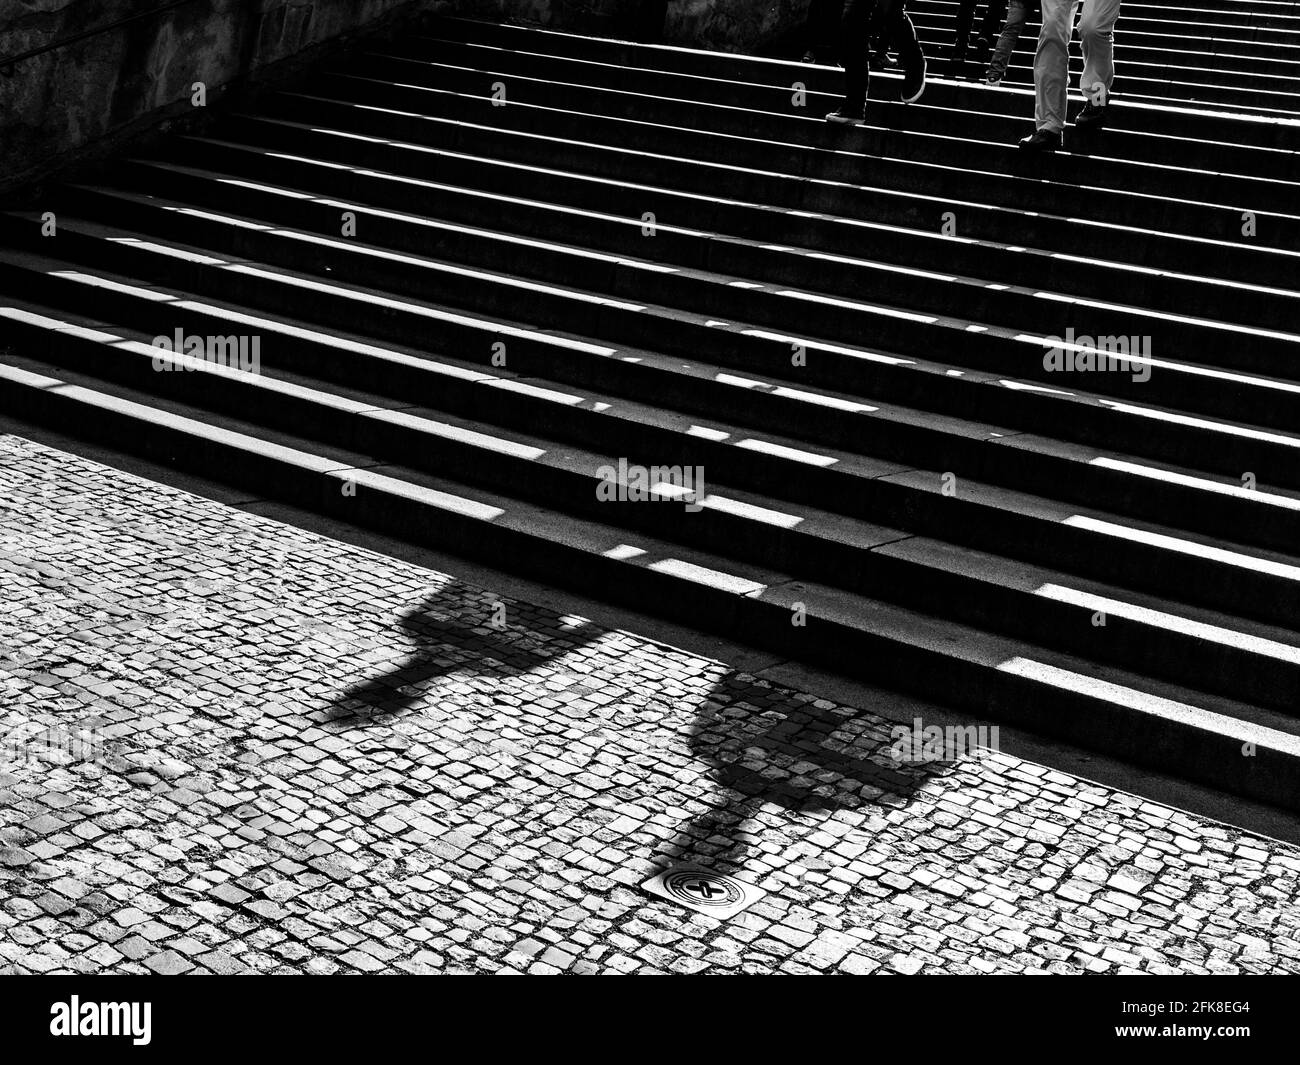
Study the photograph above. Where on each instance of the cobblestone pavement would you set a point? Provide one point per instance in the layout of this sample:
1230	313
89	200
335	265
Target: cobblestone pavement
231	745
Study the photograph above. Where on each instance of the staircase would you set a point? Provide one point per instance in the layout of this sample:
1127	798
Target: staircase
484	265
1241	55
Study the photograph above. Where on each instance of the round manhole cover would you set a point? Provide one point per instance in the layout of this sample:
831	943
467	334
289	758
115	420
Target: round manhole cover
703	889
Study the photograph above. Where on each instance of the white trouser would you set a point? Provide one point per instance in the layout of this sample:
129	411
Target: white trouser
1052	60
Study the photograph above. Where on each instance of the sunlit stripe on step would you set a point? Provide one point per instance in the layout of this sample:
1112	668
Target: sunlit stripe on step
1243	641
856	305
891	267
225	220
1155	705
1237	491
1030	386
568	399
1201	423
824	401
57	325
470	508
623	551
454	432
170	252
276	190
781	451
1186	547
795	393
834	349
706	433
137	291
749	510
27	378
349	135
313	162
727	582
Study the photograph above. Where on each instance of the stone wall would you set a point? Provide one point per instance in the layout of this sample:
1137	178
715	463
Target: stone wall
60	106
724	25
89	98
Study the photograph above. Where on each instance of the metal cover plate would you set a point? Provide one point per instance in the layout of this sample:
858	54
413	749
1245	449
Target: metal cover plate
704	890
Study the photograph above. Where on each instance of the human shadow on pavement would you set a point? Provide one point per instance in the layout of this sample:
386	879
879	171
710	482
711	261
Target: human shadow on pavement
769	745
759	744
458	629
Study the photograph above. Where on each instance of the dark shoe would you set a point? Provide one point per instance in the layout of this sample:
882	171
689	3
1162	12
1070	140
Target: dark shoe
1093	116
983	50
809	57
845	117
994	77
913	84
1041	140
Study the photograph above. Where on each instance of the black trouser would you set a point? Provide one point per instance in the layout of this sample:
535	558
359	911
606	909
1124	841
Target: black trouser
864	19
650	16
822	29
994	14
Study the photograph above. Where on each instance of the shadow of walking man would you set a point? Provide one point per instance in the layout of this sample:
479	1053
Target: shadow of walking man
456	630
758	745
771	746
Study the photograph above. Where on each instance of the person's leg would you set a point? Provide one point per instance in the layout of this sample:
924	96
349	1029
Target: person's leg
855	46
994	16
822	30
1017	13
896	27
1096	32
1052	64
965	16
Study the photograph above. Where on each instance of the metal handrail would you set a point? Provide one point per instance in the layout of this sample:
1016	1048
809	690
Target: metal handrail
8	63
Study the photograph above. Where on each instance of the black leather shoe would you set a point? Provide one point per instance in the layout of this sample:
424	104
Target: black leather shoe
1093	116
1041	140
